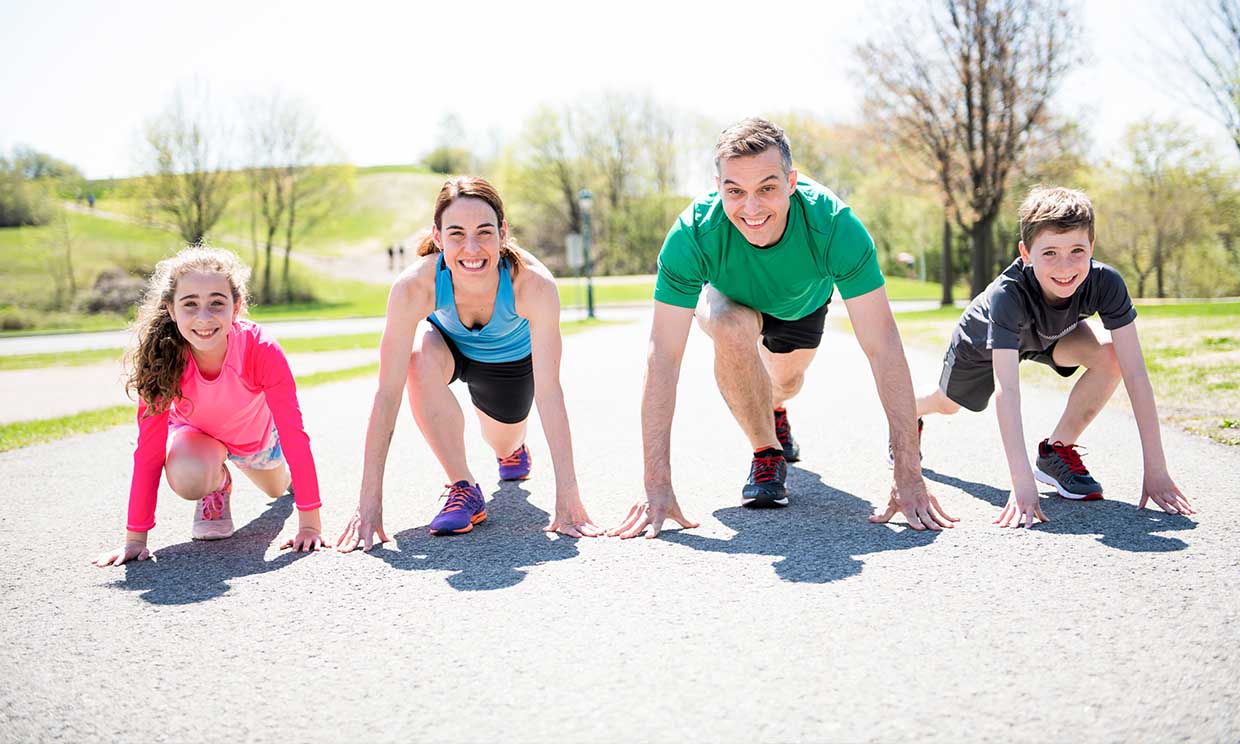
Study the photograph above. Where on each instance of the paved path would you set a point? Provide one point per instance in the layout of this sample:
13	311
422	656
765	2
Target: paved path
801	624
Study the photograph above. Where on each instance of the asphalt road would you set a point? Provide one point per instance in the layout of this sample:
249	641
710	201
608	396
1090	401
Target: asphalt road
800	624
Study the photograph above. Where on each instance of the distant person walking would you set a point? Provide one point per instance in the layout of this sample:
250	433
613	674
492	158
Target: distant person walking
391	257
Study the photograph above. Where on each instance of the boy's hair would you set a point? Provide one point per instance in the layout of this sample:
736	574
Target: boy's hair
1054	208
157	359
753	136
471	187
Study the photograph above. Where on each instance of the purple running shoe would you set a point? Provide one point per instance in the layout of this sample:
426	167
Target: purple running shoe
465	508
516	466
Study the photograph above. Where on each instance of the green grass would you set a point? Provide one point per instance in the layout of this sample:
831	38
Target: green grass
574	295
1192	352
26	433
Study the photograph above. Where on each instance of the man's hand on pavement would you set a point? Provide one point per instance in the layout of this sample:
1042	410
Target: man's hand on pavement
659	505
919	506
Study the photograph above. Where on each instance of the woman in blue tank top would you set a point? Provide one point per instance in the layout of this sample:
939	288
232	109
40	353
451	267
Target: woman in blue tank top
477	308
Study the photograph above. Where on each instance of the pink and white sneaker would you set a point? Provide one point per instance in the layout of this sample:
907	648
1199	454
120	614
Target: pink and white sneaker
213	513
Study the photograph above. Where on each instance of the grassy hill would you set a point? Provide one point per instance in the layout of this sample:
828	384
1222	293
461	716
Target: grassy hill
345	261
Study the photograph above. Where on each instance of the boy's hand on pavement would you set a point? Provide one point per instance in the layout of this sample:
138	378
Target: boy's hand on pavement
1023	506
1163	491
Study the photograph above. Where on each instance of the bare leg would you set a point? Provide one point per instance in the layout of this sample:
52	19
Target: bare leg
1094	388
194	466
274	482
503	438
742	378
936	402
434	407
787	372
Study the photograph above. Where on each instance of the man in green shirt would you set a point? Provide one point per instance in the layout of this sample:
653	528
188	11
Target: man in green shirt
769	248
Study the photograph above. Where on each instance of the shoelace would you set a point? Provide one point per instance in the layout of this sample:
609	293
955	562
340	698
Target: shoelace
764	469
213	503
514	459
1071	457
781	427
457	496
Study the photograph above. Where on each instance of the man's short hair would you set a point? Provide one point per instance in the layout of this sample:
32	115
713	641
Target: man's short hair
753	136
1054	208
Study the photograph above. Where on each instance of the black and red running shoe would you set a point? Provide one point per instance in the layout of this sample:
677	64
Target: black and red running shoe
765	487
1060	465
783	432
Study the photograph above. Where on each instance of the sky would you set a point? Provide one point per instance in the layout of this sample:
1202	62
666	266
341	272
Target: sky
78	79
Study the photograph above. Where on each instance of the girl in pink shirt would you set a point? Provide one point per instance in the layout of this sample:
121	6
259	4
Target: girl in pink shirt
212	388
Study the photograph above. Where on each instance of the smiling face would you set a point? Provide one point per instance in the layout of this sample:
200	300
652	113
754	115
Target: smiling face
1060	260
756	195
470	238
204	309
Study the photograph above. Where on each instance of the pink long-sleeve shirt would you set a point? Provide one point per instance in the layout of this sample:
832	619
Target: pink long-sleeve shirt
253	391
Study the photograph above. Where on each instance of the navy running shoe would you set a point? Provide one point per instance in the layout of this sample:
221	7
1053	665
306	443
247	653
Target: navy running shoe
765	487
783	432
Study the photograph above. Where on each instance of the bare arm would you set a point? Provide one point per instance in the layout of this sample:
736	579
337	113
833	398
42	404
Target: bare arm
668	333
1023	503
875	328
1157	483
412	298
538	301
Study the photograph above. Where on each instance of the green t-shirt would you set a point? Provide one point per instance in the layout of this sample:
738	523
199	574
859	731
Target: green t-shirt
823	245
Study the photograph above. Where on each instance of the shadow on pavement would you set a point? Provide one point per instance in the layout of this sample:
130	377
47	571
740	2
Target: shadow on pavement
1116	524
197	571
817	537
492	555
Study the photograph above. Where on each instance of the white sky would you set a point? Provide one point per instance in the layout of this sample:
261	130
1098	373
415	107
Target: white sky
77	79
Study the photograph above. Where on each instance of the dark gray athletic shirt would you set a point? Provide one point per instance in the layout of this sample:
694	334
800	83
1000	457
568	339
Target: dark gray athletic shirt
1014	314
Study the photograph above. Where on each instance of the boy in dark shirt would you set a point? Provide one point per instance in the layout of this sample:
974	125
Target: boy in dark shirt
1034	311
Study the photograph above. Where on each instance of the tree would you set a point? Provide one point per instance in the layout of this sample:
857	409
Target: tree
965	97
29	182
1211	57
451	153
185	152
293	181
1160	203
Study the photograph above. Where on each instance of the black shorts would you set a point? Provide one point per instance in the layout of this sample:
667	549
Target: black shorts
970	381
502	390
783	336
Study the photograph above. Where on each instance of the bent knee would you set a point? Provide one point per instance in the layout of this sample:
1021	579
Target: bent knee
191	482
731	324
426	366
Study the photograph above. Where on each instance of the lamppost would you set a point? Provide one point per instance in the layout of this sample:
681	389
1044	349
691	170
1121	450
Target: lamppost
586	201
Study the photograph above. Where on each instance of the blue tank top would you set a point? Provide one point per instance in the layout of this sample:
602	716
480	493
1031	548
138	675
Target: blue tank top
505	338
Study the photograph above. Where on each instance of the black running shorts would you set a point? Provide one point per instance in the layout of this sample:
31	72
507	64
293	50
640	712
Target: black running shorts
970	381
783	336
502	390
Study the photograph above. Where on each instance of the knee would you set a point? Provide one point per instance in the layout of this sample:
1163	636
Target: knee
948	407
788	385
731	327
424	368
190	481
